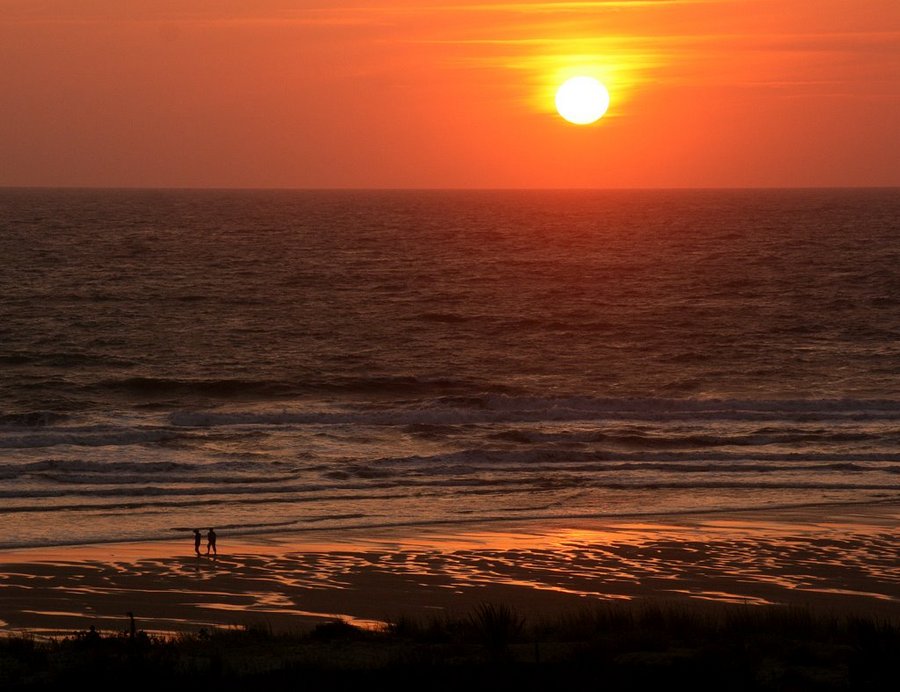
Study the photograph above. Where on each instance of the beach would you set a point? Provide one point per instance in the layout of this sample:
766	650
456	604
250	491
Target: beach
840	560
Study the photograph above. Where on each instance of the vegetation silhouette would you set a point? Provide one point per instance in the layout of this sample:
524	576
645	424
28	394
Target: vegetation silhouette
630	646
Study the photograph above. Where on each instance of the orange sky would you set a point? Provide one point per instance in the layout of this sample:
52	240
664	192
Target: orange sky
396	93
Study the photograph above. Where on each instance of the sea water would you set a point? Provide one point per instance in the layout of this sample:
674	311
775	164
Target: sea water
269	361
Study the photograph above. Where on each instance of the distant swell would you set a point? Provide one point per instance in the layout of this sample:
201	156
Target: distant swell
249	389
84	437
32	419
442	317
226	388
454	410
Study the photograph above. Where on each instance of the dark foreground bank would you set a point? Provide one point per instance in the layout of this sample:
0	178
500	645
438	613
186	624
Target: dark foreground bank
624	646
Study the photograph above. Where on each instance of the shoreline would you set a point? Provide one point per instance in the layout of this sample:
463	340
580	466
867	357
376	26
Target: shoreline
677	517
840	559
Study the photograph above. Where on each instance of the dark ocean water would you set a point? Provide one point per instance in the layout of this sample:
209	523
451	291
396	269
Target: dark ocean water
279	361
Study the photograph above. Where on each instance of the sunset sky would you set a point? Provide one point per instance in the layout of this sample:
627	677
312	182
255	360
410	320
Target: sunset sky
404	93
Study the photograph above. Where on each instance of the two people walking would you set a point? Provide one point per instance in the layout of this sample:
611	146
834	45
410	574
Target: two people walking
210	541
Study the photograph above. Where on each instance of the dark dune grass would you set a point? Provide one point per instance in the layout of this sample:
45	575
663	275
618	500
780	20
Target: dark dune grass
642	645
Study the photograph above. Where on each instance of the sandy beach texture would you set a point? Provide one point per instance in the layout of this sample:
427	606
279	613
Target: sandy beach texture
835	558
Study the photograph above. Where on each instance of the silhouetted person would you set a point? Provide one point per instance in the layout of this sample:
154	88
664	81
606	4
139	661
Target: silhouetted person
197	539
211	542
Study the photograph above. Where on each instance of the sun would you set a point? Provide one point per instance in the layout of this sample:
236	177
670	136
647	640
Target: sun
582	100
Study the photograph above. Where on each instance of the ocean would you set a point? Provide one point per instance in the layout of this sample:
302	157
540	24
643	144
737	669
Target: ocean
286	361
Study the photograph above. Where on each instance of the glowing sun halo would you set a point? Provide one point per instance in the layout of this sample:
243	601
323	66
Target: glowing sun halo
582	100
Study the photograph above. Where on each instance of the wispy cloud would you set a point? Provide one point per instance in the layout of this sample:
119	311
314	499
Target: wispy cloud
629	41
284	11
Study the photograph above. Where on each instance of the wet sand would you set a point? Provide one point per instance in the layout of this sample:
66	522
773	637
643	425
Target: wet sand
839	559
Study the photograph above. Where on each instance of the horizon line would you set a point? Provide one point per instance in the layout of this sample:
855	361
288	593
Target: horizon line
200	188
